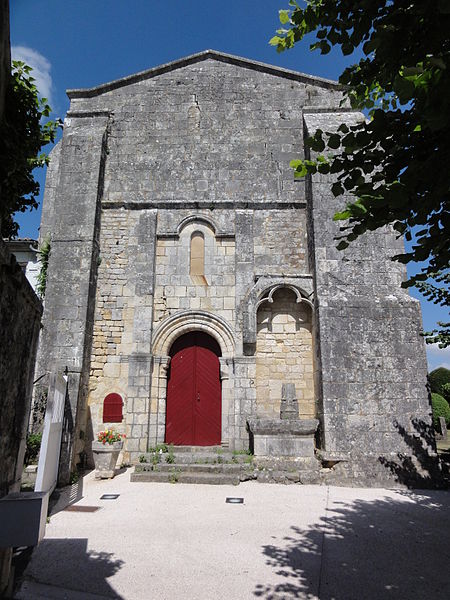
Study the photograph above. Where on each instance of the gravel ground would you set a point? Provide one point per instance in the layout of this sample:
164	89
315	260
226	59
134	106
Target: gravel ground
171	541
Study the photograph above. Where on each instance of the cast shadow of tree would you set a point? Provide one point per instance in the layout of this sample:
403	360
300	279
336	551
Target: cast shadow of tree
426	470
69	564
385	549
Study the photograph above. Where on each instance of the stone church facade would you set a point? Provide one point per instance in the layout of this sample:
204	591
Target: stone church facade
176	223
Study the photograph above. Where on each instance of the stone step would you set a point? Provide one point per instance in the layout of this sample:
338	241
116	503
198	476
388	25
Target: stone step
193	468
186	477
191	454
199	458
185	458
200	449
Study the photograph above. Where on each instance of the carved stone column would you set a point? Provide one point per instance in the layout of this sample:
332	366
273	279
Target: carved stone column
158	395
227	379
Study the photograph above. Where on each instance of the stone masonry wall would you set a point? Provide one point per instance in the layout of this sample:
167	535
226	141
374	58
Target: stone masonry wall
113	320
207	132
280	244
122	326
20	316
72	206
193	143
373	365
177	290
284	354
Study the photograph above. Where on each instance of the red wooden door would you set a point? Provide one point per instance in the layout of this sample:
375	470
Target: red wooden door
193	415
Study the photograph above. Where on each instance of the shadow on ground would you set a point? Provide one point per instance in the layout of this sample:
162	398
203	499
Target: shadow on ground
68	564
61	498
386	549
428	470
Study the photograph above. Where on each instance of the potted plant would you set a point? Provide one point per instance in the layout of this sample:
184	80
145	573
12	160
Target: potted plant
106	452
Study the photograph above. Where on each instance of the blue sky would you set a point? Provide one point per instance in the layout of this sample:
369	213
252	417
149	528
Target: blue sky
82	43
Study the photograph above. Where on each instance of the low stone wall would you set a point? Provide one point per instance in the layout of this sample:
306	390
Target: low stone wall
20	316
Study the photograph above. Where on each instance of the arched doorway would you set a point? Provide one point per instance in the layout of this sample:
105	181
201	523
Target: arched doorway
193	413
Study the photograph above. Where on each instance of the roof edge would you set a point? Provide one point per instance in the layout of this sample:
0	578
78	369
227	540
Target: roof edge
198	57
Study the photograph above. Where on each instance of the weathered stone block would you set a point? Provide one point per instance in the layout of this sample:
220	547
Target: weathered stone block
276	437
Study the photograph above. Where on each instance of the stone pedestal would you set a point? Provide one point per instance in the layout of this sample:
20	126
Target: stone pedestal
105	458
287	437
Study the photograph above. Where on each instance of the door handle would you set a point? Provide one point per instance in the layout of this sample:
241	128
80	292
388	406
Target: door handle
198	397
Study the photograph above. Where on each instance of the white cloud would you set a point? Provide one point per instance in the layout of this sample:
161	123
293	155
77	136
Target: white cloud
41	69
438	357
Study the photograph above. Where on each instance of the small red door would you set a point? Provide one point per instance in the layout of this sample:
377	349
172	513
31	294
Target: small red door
193	416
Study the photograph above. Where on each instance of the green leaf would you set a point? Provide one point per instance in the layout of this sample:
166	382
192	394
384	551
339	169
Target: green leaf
342	245
324	47
300	168
284	16
342	216
323	168
337	189
276	40
334	141
347	49
397	163
22	136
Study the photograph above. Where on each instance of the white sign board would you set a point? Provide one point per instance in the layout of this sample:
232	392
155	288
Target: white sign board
47	474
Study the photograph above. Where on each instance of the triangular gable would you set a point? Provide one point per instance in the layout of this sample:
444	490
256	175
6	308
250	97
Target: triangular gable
199	57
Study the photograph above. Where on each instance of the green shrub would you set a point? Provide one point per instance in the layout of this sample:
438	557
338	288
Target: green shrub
438	378
33	447
74	477
446	391
170	458
440	409
155	459
161	448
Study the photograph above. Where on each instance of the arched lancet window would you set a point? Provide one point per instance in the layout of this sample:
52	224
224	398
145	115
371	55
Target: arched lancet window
197	258
112	409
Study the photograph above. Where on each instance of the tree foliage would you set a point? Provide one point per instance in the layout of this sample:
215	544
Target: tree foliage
22	136
438	378
438	292
395	163
440	408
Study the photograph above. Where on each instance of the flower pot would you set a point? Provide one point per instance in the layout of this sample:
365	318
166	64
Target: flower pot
105	458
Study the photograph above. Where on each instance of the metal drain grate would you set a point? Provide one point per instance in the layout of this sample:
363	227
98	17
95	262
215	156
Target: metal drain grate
75	508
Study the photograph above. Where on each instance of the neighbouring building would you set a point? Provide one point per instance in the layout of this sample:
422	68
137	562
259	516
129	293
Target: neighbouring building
190	276
25	251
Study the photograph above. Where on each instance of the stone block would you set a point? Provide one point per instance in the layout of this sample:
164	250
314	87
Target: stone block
276	437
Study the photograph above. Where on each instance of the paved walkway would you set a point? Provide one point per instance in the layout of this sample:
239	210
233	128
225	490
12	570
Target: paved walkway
174	542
